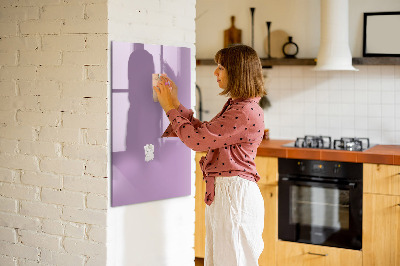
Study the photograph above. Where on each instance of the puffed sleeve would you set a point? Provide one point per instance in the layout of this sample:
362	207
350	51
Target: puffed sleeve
224	130
183	111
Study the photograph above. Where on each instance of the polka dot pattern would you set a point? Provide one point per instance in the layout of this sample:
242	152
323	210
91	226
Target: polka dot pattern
231	139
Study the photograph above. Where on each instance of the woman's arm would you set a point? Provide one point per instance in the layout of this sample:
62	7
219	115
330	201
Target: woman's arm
173	96
228	129
188	114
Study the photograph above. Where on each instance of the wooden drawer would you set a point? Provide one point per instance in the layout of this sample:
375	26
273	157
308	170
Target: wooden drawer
381	179
298	254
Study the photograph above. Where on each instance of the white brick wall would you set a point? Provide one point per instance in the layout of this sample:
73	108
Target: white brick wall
54	194
53	126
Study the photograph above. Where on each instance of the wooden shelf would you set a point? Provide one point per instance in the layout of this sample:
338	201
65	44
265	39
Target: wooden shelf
376	61
268	63
312	61
288	62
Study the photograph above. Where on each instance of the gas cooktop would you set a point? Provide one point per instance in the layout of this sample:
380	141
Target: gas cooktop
325	142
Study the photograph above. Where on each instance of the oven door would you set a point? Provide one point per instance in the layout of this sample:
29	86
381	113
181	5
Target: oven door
321	212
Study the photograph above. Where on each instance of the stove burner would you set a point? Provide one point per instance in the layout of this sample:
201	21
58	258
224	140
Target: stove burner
351	144
324	142
308	141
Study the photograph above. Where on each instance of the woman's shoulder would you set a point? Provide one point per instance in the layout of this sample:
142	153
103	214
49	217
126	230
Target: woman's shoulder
253	111
249	104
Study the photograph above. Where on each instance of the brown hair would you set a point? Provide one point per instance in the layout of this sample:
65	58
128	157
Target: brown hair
245	77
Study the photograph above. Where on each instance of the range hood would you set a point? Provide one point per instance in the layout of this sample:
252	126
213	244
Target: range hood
334	51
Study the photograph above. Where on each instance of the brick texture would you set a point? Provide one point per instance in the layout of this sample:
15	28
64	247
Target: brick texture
53	121
54	80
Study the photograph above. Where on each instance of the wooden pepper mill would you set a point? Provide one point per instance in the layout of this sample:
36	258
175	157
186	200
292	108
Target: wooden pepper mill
232	35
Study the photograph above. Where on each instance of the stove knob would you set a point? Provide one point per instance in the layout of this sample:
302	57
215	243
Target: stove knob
336	169
302	167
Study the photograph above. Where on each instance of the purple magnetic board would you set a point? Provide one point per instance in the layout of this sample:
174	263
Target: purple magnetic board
137	121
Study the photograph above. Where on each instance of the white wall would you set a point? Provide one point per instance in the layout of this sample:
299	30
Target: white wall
160	232
299	18
337	104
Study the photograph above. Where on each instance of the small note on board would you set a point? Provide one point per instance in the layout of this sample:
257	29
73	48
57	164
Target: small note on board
148	152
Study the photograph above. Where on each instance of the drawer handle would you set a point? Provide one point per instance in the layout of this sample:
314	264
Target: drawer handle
318	254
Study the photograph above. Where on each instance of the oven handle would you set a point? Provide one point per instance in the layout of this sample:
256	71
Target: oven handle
297	181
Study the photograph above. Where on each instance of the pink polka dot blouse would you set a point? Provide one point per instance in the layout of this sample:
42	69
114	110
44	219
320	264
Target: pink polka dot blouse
231	139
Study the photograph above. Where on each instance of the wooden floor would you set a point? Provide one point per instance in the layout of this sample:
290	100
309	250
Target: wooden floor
199	262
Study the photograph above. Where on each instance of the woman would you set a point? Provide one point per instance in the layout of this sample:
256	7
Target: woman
235	207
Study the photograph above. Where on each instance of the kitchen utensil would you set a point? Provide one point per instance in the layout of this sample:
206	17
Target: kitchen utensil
252	9
269	38
232	35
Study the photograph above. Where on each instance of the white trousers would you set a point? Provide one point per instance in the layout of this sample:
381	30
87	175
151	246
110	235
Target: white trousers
234	223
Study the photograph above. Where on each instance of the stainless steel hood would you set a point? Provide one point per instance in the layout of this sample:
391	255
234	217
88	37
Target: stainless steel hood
334	52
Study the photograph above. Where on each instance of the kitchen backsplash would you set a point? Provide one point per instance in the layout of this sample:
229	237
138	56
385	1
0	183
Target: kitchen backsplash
365	103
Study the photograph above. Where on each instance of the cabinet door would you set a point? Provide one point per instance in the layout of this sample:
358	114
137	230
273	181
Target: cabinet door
381	230
267	168
270	233
297	254
381	179
200	207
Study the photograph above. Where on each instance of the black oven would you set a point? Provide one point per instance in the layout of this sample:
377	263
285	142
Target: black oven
320	202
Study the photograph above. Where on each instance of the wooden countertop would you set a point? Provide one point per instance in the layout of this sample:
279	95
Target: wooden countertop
379	154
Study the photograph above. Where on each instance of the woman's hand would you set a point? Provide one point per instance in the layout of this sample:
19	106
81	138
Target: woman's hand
174	90
164	94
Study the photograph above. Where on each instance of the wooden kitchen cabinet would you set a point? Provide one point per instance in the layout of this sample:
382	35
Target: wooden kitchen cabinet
267	167
381	230
200	207
270	233
299	254
381	215
381	179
